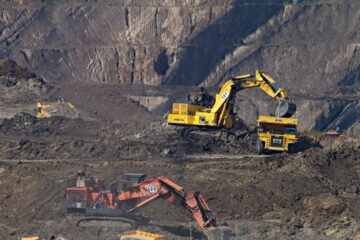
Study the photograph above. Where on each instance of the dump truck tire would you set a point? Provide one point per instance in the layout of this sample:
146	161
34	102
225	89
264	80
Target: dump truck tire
260	147
291	149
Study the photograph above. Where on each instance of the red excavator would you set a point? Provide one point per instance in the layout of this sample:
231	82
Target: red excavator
90	196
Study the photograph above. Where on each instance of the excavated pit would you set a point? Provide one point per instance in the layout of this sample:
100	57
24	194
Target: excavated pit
115	61
308	195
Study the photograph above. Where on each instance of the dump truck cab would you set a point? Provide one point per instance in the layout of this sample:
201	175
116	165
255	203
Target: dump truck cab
276	134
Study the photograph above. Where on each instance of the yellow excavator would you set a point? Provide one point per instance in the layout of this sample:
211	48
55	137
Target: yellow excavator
205	112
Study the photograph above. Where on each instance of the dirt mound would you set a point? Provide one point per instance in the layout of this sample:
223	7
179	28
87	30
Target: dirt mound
305	142
339	166
20	123
25	124
18	84
60	137
9	67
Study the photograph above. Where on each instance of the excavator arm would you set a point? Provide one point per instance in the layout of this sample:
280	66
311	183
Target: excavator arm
261	80
161	187
224	100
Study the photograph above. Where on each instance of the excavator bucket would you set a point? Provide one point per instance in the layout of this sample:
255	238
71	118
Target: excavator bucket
201	211
285	109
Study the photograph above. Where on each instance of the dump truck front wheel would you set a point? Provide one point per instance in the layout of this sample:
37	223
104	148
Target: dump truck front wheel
291	149
260	147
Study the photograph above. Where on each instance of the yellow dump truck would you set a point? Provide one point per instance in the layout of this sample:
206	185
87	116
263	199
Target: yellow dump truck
140	235
276	134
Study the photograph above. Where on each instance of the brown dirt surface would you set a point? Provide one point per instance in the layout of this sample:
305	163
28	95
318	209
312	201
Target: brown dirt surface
313	194
298	192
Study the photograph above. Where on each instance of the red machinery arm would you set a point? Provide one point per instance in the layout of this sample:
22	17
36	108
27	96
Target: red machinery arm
154	188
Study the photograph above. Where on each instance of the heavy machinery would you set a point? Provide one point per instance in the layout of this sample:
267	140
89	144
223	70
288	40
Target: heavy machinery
220	114
90	196
46	109
140	235
208	113
38	238
276	134
335	133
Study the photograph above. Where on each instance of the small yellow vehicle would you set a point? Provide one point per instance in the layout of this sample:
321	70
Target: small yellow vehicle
56	108
276	134
140	235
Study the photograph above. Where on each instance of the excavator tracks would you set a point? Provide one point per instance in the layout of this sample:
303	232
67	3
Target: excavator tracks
83	221
227	136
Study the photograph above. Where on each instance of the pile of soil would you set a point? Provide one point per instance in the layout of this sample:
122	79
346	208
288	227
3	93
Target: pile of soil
60	137
10	68
19	85
20	123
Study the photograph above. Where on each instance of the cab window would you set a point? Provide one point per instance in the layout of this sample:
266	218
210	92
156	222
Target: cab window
290	130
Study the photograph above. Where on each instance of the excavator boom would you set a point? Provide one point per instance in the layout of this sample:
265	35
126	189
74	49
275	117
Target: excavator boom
264	81
203	216
161	187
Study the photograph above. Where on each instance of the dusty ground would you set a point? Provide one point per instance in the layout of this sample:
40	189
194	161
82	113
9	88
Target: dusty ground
313	194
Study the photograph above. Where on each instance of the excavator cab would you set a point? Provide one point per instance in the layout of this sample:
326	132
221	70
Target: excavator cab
133	178
276	134
79	195
129	179
76	199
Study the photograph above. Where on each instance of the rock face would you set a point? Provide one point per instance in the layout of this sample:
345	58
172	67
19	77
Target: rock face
312	49
128	42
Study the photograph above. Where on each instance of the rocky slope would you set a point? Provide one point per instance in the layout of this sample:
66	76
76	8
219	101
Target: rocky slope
311	47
